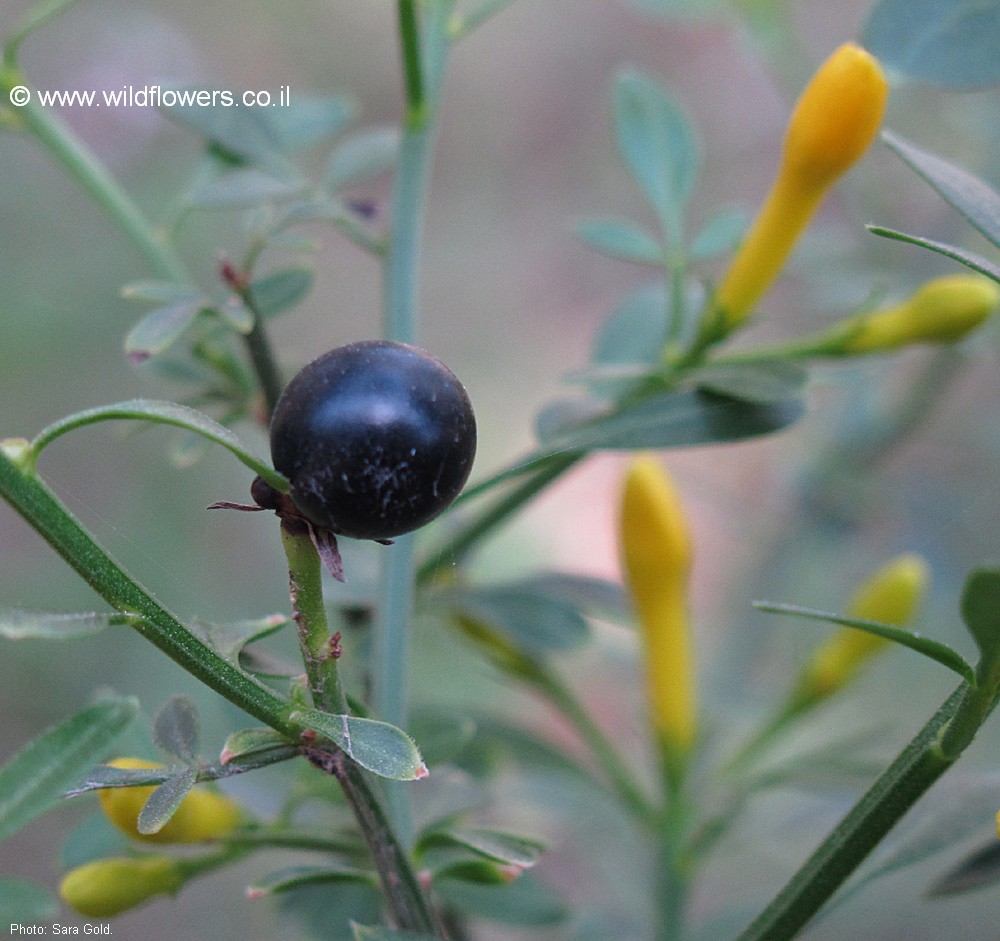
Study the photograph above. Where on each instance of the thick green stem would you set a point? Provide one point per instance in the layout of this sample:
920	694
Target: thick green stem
29	496
913	772
319	650
673	870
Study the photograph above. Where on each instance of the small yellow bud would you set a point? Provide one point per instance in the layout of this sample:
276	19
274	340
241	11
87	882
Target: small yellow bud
942	311
106	887
656	555
203	815
833	124
891	596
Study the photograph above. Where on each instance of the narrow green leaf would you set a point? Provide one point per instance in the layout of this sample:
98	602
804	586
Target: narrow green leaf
948	43
229	640
532	621
161	293
658	145
248	743
295	877
242	189
975	199
34	779
969	259
721	234
774	381
932	649
18	624
674	419
523	902
978	870
621	240
175	728
235	315
160	328
381	748
496	845
600	596
25	903
164	801
981	613
361	156
166	413
275	293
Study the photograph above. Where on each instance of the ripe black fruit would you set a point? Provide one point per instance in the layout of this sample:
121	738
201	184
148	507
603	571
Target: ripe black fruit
376	438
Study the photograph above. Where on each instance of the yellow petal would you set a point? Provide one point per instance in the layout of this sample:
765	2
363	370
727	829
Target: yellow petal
106	887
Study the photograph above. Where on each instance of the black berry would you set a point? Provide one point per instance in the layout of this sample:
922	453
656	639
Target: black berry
376	438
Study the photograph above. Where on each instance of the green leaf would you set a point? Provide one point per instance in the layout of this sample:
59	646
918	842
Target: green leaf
658	145
308	119
496	845
281	291
25	903
721	234
635	331
948	43
381	748
774	381
175	728
242	189
621	240
18	624
532	621
981	613
932	649
229	640
975	199
33	781
166	413
600	596
978	870
361	156
673	419
524	902
969	259
161	293
295	877
160	328
235	315
164	801
248	743
328	912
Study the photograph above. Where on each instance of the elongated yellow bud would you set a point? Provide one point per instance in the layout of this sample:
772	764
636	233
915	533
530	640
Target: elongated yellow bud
891	596
108	886
833	124
942	311
656	553
203	815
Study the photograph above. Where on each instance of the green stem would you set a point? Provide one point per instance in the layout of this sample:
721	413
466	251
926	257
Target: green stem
913	772
29	496
319	652
673	875
409	35
614	767
401	272
83	167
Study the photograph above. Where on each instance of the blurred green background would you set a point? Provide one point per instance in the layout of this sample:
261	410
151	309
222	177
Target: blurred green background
511	301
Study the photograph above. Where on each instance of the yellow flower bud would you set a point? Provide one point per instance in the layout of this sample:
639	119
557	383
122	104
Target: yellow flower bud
833	123
203	815
891	596
106	887
656	555
942	311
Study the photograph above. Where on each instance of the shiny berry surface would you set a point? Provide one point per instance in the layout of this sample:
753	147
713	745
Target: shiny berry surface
377	439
